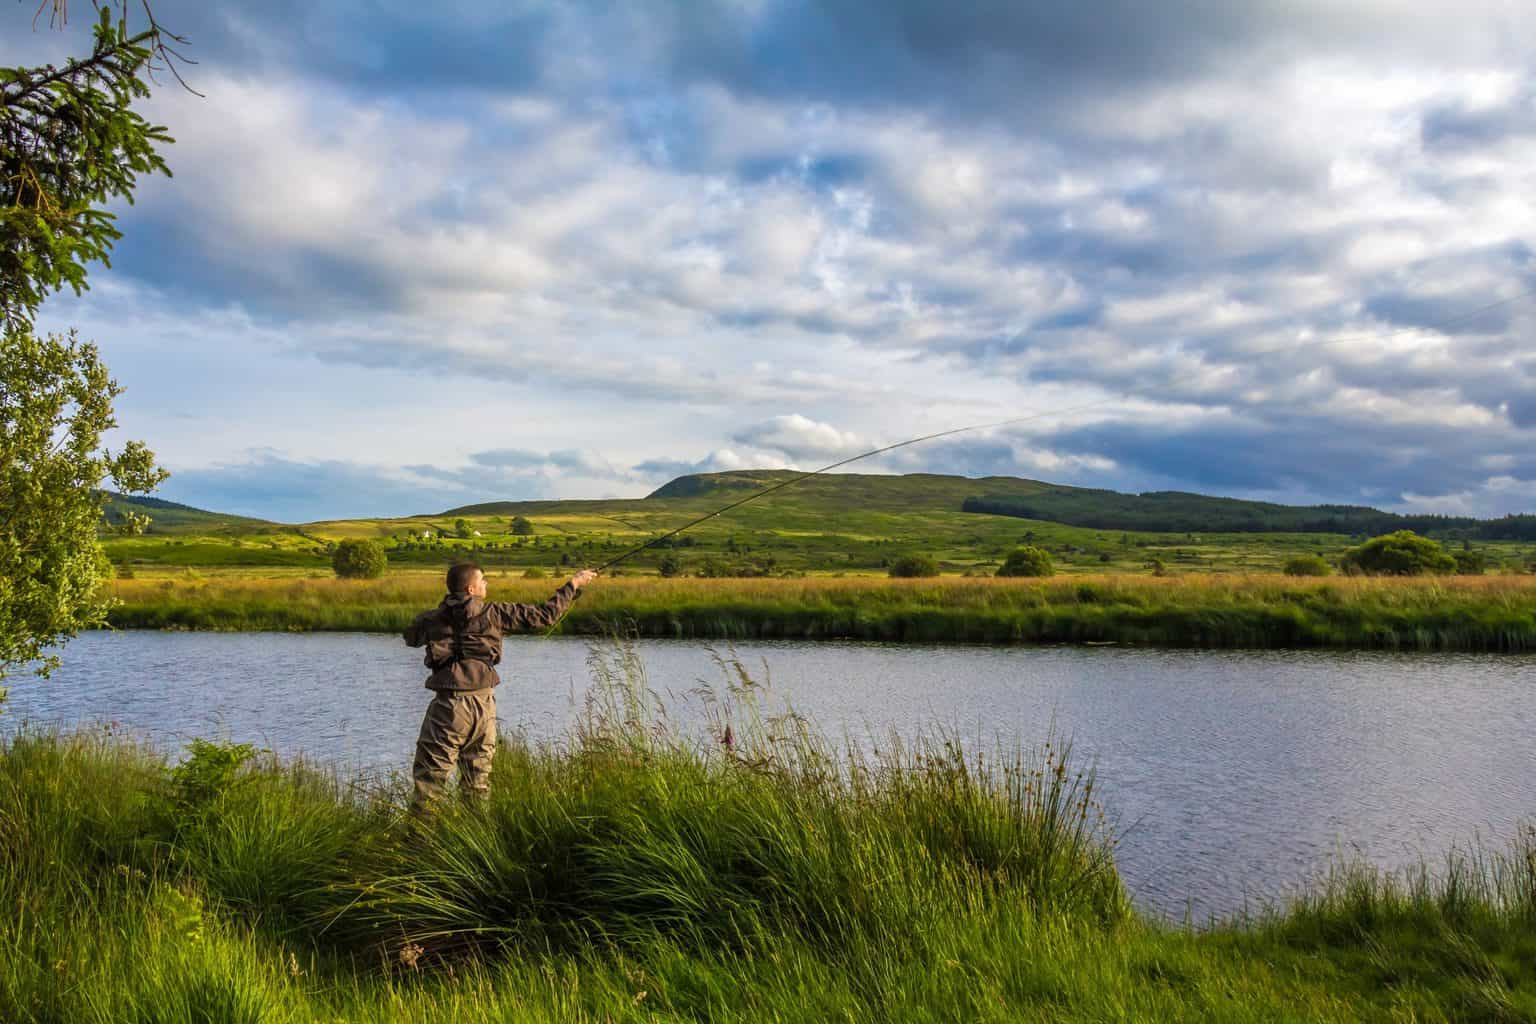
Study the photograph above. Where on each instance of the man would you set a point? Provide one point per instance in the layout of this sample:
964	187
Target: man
462	636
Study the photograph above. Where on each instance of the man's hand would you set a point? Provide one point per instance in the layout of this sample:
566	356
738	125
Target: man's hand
584	577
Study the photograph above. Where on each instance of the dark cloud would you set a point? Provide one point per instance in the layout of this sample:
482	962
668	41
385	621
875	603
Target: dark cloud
1460	128
1522	409
1480	316
990	54
370	47
1374	463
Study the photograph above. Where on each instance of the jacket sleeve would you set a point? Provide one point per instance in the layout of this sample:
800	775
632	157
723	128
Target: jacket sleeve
416	634
516	618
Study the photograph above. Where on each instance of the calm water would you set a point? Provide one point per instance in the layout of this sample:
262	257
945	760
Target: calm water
1234	776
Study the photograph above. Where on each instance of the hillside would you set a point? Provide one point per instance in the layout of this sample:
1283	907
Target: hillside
1182	512
172	517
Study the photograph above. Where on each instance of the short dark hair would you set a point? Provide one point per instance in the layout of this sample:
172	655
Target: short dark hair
461	575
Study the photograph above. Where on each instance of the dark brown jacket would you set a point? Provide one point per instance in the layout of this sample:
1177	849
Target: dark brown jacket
463	636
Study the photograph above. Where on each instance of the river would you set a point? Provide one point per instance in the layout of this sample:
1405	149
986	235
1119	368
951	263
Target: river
1233	777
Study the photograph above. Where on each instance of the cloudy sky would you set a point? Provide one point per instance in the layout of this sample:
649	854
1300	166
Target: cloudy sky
416	255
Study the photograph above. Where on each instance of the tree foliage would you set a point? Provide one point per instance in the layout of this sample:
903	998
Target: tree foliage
359	559
1028	561
55	404
1400	553
521	526
69	143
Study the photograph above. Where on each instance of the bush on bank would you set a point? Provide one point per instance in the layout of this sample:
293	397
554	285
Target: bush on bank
359	559
1307	565
1401	553
1028	561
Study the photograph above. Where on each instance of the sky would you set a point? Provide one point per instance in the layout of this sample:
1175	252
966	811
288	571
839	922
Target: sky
414	256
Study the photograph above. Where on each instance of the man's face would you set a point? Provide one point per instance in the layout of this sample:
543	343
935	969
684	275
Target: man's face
477	587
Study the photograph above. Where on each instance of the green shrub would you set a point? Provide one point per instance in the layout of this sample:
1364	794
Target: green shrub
1307	565
1403	553
535	573
359	559
1470	563
521	526
911	566
1028	561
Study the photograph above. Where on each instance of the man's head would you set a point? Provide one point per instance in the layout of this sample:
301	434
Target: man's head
466	578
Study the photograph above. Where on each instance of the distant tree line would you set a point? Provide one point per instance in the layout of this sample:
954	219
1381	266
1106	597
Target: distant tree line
1181	512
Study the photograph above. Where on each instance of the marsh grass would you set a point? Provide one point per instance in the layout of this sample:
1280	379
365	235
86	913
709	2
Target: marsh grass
750	869
1488	613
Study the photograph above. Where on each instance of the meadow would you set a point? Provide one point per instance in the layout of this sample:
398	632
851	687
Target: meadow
629	873
813	561
849	524
1465	613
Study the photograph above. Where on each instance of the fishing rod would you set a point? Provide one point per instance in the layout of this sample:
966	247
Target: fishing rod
843	462
1449	322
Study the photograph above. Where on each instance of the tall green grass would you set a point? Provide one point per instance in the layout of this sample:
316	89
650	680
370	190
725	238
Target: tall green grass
750	871
1495	613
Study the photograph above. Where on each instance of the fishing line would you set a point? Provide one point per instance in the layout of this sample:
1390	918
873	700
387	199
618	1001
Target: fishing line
1377	335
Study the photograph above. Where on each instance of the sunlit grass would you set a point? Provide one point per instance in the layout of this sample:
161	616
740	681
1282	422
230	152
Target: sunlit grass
1481	613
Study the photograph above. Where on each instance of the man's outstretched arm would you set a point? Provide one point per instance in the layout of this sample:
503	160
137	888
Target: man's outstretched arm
517	617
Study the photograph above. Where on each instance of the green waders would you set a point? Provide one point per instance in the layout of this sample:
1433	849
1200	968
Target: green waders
459	728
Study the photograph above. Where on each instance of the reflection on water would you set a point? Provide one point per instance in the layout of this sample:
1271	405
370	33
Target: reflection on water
1234	775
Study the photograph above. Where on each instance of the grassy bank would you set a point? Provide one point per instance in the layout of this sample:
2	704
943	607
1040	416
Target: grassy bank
1487	613
630	874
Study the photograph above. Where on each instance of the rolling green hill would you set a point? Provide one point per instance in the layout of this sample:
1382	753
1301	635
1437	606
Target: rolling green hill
171	517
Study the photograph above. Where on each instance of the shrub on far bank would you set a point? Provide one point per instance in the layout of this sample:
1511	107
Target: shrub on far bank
912	566
1028	561
1307	565
535	573
1402	553
359	559
1470	563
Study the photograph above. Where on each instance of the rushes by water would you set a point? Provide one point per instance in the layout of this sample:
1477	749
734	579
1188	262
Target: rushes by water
755	872
1492	613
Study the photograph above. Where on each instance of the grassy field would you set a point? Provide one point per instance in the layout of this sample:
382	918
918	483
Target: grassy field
1484	613
630	874
852	524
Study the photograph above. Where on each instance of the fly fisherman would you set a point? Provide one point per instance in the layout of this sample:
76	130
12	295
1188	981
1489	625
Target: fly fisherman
462	636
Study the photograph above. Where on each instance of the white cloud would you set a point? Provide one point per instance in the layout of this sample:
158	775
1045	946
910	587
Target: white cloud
799	437
642	248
